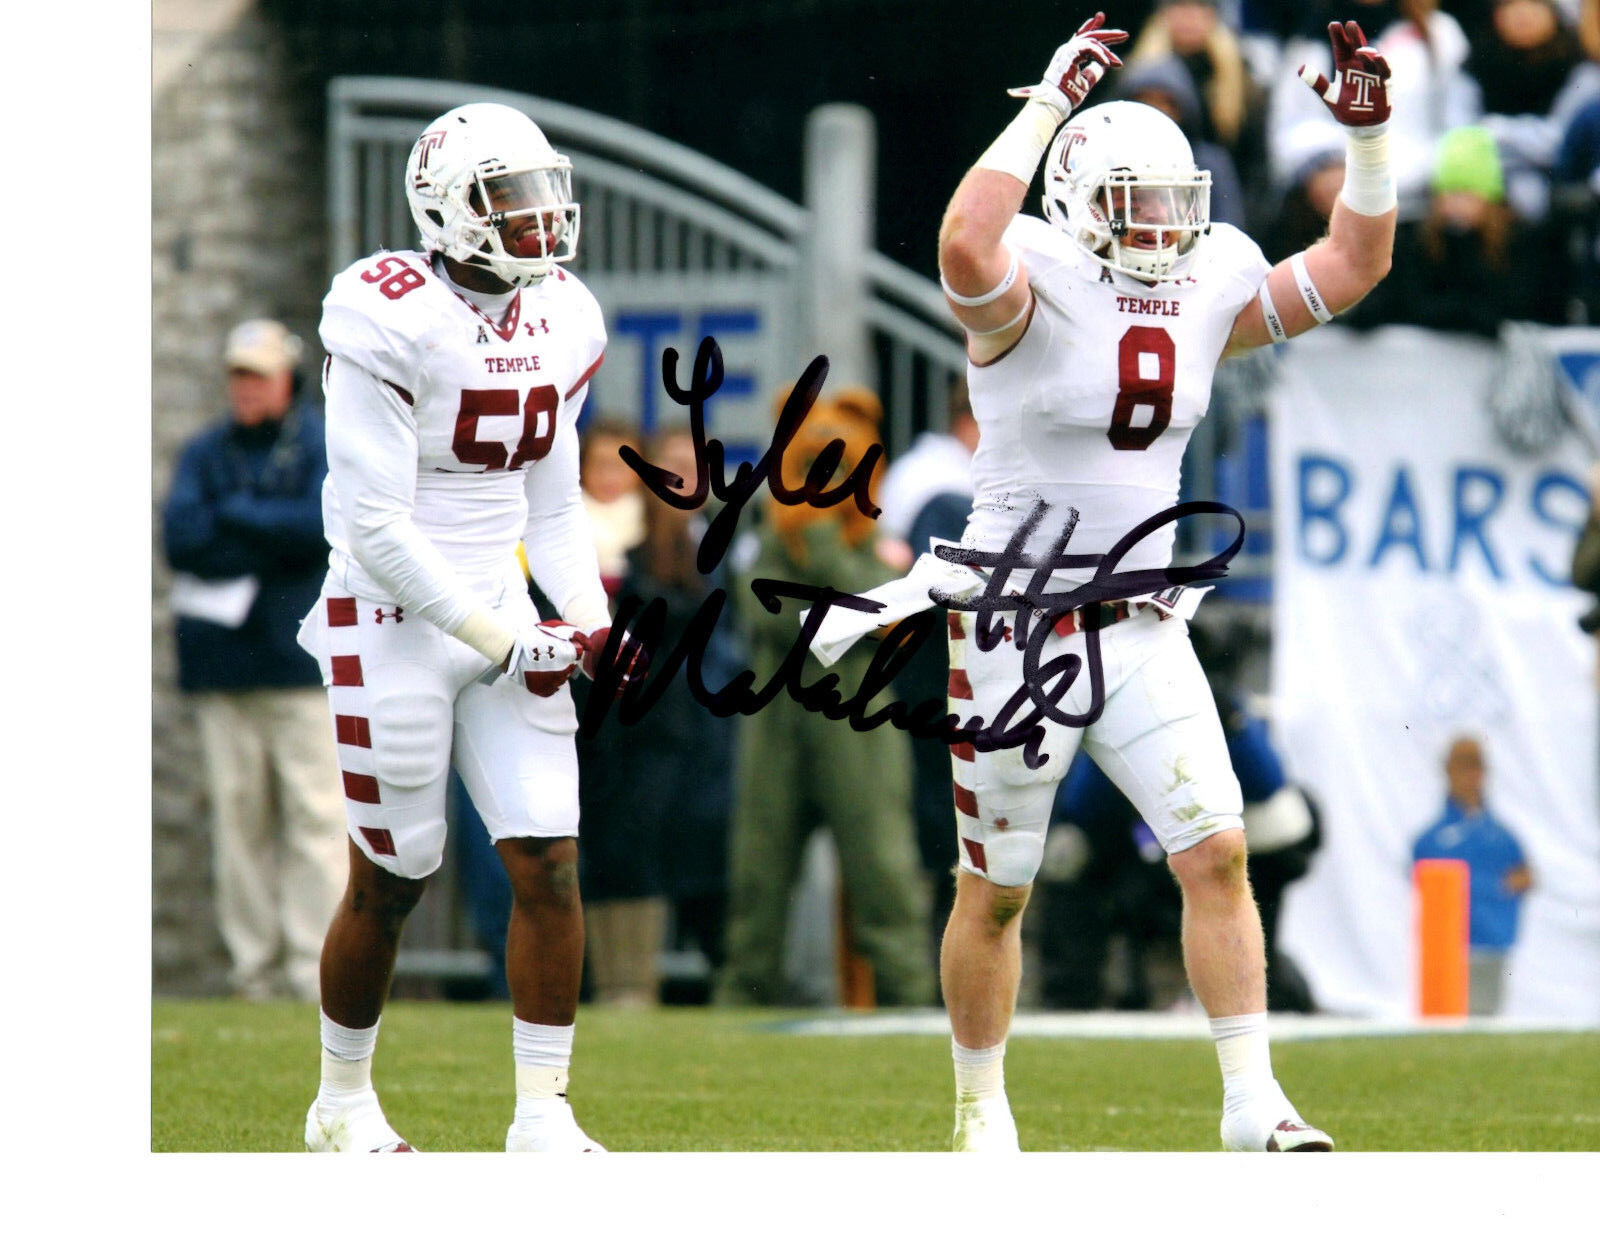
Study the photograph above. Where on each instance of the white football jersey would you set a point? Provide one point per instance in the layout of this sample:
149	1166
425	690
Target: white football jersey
1093	407
487	399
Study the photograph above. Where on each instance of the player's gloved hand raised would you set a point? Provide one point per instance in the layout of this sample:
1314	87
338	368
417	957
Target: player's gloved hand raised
1077	65
1358	95
630	658
542	659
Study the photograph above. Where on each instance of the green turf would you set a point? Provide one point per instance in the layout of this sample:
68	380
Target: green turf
234	1076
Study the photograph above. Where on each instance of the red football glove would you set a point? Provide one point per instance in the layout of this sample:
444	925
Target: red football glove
631	656
1358	96
1077	65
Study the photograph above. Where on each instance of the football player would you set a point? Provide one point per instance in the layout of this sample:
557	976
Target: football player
454	379
1092	336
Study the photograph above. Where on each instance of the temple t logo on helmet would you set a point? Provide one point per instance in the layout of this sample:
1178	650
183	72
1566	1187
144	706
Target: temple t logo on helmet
487	189
1120	180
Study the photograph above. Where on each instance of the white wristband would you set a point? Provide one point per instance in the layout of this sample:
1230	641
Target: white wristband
1368	181
1308	290
482	631
1270	312
989	297
1022	143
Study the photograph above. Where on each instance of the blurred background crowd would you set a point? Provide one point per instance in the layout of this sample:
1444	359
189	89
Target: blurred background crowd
704	877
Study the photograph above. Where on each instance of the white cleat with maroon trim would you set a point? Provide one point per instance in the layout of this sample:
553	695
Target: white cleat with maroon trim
985	1126
355	1127
1240	1132
556	1131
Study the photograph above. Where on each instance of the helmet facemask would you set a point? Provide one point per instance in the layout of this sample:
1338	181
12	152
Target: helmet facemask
1153	223
540	196
468	203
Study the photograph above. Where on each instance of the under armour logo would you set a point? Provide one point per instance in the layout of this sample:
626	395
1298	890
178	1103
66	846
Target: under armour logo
1364	84
397	614
542	328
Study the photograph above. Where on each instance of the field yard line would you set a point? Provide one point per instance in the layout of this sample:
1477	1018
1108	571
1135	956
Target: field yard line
1286	1027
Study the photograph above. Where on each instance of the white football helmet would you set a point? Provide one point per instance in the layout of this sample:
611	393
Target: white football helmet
475	169
1120	179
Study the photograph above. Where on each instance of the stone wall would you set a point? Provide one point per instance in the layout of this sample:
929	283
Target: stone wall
238	231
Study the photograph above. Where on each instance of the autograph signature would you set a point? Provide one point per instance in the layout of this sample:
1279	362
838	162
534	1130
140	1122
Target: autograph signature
705	380
1018	722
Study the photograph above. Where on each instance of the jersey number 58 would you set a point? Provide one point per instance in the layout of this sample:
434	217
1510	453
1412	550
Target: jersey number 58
538	427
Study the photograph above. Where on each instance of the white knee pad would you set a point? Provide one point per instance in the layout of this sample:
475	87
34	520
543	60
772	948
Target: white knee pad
1012	859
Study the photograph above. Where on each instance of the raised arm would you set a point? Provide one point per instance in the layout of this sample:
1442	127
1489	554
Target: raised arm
1309	288
984	283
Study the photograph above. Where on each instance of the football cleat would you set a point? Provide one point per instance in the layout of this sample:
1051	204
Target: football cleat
985	1126
355	1127
556	1131
1291	1135
1288	1134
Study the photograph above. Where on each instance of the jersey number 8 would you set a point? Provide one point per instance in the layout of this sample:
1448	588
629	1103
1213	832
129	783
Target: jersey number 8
1135	389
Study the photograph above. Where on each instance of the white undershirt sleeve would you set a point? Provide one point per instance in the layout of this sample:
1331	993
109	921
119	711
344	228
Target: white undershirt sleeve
372	458
558	539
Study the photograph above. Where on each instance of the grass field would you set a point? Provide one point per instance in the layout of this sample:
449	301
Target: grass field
230	1076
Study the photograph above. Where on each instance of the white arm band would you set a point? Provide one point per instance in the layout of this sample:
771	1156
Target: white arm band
1270	312
992	295
1022	143
1308	290
1023	312
1368	181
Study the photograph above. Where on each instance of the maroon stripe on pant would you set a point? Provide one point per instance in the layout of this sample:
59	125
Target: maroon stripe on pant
347	672
380	839
953	621
963	751
358	787
352	731
341	611
966	801
960	685
975	854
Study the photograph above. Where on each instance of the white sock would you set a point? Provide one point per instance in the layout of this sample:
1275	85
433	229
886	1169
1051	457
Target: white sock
980	1071
1246	1060
543	1054
346	1060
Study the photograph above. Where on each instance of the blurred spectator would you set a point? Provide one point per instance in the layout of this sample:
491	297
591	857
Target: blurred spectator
1470	264
1191	31
613	497
936	463
1314	160
243	532
1165	84
618	871
676	766
798	770
926	677
1576	206
1499	872
1588	24
1533	80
